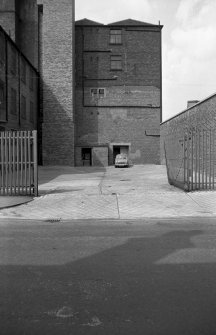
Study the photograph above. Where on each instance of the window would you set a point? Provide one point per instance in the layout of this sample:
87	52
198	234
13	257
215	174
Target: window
23	107
13	104
31	80
2	102
23	70
98	92
13	61
94	92
2	48
101	92
31	112
115	36
116	62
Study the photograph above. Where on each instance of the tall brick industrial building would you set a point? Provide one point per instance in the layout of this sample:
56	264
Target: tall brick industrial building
118	91
43	30
117	86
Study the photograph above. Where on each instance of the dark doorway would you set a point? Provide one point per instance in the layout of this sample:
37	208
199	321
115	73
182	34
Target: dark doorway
116	151
87	156
120	149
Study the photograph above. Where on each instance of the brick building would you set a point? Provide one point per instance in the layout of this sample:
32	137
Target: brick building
118	83
200	115
18	88
118	92
44	32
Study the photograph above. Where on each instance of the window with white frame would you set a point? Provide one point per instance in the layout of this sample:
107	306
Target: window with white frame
97	92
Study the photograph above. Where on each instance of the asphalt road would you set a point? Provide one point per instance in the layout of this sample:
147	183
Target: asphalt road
108	277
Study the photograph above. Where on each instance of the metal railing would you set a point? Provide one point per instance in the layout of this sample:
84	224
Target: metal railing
18	163
191	158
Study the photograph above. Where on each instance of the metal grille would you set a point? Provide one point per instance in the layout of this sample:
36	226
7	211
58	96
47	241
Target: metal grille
18	163
191	158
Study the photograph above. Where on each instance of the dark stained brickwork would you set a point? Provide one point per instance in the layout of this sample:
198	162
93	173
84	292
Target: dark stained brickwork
128	109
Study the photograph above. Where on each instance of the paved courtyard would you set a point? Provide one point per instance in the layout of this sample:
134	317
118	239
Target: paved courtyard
141	191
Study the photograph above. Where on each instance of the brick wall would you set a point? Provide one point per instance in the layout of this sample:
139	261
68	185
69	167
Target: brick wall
57	74
129	111
201	116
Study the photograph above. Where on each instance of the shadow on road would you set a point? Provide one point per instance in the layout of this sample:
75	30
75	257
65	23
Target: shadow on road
122	290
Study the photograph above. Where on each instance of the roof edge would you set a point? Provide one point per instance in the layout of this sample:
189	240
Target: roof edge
187	109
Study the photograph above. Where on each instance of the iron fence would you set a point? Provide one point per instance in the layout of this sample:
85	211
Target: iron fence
191	158
18	163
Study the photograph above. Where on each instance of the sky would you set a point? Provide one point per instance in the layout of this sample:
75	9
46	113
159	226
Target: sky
188	42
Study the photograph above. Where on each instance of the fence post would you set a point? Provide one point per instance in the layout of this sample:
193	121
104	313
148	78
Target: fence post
35	158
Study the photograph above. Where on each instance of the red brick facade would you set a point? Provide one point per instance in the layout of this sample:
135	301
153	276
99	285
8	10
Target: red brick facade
118	89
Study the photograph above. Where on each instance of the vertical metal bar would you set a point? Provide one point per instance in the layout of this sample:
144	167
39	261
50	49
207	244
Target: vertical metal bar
18	162
188	160
6	160
199	157
10	163
29	161
206	163
1	164
192	158
195	168
35	163
25	159
214	158
203	159
21	161
210	159
14	166
184	157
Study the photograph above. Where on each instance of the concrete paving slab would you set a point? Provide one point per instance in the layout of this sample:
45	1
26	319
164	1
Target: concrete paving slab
66	206
90	193
11	201
158	205
205	199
